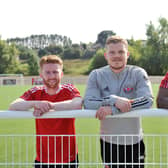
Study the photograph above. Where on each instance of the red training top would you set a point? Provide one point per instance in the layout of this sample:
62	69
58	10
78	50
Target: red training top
164	82
54	149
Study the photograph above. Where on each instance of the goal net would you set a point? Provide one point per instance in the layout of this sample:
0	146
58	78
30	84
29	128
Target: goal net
11	79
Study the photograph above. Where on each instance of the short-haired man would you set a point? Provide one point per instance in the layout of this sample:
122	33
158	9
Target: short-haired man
116	88
162	97
52	151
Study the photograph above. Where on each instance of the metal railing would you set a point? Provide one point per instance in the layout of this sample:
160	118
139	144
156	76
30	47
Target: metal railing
19	150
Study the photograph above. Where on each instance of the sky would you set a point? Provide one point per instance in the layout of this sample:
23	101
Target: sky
81	20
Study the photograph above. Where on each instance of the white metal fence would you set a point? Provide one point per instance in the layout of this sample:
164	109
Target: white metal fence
19	150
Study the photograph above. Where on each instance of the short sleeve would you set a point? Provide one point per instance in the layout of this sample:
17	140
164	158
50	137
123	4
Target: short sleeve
27	95
71	90
75	92
30	94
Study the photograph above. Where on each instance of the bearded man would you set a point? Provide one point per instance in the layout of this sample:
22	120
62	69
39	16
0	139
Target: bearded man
53	150
119	88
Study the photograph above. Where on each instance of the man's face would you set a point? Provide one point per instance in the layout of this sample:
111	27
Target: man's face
51	75
116	56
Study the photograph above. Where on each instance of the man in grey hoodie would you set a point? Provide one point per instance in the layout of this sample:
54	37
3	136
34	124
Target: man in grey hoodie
119	88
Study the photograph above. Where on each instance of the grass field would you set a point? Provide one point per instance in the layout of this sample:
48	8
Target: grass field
83	126
76	67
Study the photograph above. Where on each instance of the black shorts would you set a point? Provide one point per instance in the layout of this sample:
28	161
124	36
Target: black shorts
73	164
113	153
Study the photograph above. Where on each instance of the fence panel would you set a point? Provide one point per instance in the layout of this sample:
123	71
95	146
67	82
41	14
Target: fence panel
19	150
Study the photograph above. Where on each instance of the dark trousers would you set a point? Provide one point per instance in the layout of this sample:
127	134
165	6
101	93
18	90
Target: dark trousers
123	154
72	164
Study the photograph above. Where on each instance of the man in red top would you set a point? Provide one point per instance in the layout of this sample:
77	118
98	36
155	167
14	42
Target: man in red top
162	98
52	148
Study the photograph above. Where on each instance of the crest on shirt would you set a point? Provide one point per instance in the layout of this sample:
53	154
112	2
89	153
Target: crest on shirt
128	89
106	88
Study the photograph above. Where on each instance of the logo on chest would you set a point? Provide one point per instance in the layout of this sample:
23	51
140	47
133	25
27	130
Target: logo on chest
106	89
128	89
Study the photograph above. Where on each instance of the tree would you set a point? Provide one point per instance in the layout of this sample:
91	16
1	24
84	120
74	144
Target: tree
102	36
32	62
23	52
135	48
72	53
88	53
98	60
8	57
156	50
41	41
52	49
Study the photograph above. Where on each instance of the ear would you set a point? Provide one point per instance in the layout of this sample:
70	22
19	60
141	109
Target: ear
128	54
105	56
62	74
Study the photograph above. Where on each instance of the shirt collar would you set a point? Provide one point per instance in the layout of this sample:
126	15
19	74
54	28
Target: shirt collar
57	91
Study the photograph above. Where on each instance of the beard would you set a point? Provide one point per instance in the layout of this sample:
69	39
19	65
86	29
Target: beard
117	67
117	59
117	64
52	83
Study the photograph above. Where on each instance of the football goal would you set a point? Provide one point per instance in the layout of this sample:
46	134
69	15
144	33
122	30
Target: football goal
11	79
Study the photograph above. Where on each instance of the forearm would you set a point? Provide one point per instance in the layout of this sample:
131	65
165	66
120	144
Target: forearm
20	104
92	103
73	104
96	103
141	103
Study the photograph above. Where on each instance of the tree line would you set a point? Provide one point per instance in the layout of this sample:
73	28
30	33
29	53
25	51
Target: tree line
21	55
151	54
41	41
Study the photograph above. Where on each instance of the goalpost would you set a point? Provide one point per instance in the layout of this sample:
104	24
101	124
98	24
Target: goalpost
11	79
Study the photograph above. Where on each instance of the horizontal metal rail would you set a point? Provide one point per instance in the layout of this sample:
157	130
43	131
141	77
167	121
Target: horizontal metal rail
83	113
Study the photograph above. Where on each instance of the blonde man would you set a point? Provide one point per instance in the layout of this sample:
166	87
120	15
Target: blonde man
119	88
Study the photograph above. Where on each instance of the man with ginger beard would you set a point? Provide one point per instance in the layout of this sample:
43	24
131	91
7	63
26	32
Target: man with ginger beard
52	151
119	88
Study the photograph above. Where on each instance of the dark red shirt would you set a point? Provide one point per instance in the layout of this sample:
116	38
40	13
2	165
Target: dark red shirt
164	82
54	149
